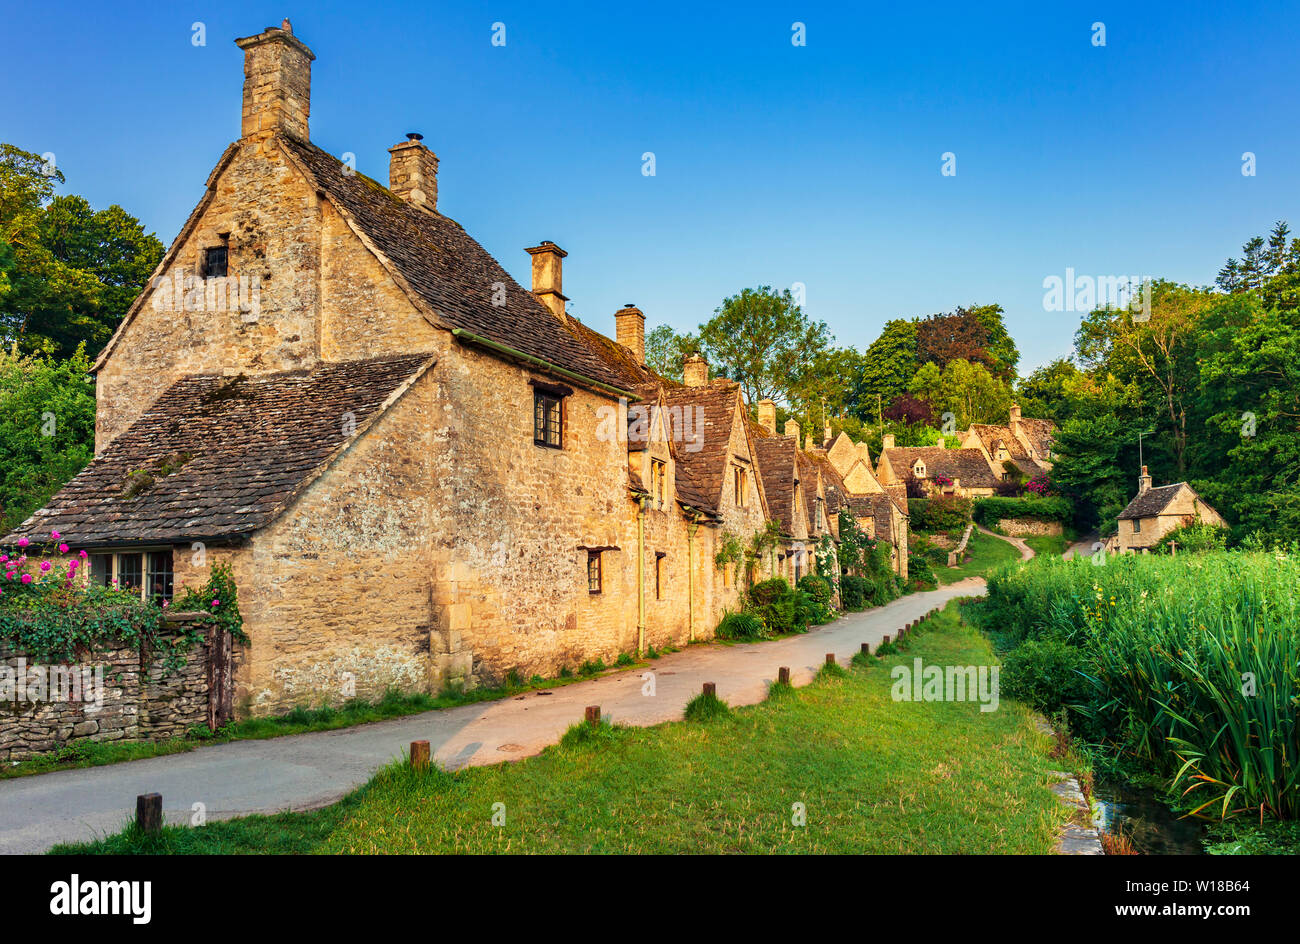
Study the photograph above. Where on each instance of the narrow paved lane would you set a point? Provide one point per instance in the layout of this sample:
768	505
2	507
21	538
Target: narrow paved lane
310	770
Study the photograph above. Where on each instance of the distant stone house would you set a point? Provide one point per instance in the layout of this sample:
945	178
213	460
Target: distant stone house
419	472
1024	443
879	509
963	472
1154	512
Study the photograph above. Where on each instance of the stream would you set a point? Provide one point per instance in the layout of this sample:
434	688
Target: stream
1150	825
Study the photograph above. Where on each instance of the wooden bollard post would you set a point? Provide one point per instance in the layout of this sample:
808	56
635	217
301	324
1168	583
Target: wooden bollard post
420	755
710	689
593	714
783	675
885	642
830	658
866	649
148	812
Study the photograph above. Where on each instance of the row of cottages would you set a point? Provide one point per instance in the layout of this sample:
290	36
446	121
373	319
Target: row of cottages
1154	512
986	456
419	473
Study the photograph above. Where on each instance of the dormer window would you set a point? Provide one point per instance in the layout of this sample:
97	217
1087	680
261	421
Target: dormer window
919	469
740	478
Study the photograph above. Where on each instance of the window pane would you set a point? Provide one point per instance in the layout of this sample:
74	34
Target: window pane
129	567
160	576
101	569
593	571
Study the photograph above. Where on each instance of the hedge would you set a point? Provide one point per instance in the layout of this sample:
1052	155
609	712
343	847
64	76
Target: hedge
989	511
946	513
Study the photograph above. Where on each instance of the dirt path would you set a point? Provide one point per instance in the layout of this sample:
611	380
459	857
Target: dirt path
310	770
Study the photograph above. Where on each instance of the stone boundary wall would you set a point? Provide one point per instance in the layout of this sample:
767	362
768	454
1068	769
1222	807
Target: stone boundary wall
1020	527
137	702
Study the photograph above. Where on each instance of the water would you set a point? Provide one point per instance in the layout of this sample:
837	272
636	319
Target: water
1150	825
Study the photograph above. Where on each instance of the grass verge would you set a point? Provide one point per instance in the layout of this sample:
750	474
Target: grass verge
873	775
985	552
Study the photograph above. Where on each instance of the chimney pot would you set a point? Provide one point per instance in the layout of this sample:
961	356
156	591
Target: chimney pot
548	276
767	415
939	442
1015	415
886	441
277	84
695	371
629	330
1144	481
792	431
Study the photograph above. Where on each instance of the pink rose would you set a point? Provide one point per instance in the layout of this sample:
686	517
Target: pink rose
23	542
216	603
63	548
83	555
54	535
27	578
45	567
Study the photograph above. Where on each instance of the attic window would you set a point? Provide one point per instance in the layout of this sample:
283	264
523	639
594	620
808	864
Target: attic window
659	482
215	262
740	478
548	419
919	468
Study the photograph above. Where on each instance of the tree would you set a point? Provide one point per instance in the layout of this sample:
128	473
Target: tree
1047	392
1003	356
967	391
69	273
885	369
47	429
665	350
763	339
959	335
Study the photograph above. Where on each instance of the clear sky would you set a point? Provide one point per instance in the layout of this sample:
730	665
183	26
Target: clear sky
774	163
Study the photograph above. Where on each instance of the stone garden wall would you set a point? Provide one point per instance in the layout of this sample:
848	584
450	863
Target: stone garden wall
1020	527
109	698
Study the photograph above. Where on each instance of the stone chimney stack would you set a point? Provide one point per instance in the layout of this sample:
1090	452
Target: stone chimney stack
826	434
277	83
1144	481
1015	416
886	441
767	415
629	330
548	266
695	371
939	442
792	431
413	173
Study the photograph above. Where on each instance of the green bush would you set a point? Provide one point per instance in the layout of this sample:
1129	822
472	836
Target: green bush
989	511
944	513
819	588
769	591
853	592
740	626
1044	673
1195	538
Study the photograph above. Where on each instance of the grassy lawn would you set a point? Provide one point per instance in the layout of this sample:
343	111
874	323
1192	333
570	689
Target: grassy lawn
985	551
874	775
1047	545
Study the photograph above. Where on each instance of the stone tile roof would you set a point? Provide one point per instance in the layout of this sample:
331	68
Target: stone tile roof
966	465
991	437
1040	434
223	456
837	493
1151	502
807	470
777	464
699	473
454	275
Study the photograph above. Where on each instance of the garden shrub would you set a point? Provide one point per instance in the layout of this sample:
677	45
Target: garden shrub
1044	673
1195	538
819	588
740	626
946	513
853	592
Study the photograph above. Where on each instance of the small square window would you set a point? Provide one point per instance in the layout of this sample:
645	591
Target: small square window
548	419
593	572
215	262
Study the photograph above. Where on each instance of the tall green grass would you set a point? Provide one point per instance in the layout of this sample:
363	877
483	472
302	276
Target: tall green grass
1194	664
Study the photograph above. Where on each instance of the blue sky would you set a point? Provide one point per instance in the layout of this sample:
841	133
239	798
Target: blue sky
775	164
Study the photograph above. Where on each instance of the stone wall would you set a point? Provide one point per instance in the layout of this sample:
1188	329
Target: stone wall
136	704
1020	527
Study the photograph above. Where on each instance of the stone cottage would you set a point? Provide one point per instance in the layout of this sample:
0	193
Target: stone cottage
964	472
1023	445
1154	512
419	472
